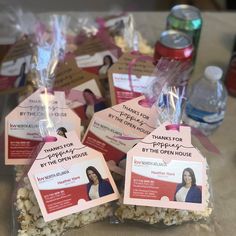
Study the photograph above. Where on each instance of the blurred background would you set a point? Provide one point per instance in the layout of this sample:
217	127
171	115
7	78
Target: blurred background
125	5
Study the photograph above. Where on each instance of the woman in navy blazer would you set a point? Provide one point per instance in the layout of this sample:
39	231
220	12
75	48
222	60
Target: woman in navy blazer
188	191
95	104
97	186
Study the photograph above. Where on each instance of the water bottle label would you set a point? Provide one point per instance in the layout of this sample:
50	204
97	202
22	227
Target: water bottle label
204	116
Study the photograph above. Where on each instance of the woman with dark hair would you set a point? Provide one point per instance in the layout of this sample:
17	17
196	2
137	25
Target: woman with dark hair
107	63
97	186
188	191
93	104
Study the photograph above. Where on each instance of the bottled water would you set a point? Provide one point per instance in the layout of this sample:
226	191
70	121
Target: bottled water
206	105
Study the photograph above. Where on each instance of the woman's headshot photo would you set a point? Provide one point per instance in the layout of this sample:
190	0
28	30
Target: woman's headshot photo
107	63
188	191
97	186
62	132
92	103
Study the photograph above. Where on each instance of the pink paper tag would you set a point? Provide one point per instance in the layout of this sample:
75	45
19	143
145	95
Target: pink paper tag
26	123
165	170
114	131
123	90
84	96
97	54
15	65
13	74
68	177
130	76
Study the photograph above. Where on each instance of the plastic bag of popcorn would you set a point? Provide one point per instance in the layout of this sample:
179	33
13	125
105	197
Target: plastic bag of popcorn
121	26
162	186
28	218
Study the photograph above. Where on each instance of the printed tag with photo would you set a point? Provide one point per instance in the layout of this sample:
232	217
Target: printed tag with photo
15	65
68	75
97	56
68	177
25	125
85	95
115	130
166	170
125	86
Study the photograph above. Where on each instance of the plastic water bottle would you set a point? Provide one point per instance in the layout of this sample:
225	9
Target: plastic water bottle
206	105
